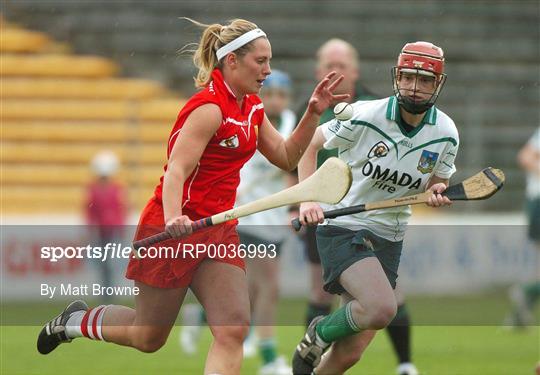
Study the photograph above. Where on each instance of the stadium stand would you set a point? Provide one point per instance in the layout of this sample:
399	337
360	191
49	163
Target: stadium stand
59	110
491	46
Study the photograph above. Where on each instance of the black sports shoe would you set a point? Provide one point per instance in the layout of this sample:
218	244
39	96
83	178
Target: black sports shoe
307	355
54	332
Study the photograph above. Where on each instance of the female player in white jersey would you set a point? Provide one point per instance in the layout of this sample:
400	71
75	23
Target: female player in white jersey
396	146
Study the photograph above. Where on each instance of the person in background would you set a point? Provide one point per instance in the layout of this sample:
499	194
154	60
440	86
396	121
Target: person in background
340	56
105	210
524	297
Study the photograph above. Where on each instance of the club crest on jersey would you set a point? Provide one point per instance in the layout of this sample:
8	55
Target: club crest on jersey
231	142
427	161
379	150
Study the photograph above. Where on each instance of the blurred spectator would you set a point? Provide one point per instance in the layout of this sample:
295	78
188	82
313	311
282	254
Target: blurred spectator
105	209
525	296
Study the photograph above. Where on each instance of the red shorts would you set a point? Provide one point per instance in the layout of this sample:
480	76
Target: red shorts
172	263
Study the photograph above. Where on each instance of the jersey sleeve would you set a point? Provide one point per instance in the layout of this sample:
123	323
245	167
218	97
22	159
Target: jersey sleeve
446	168
339	134
258	113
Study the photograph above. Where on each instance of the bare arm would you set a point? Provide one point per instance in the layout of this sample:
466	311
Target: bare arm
190	144
310	212
437	180
308	164
286	153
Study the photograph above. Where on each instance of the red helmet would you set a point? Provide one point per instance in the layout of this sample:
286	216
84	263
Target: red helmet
422	58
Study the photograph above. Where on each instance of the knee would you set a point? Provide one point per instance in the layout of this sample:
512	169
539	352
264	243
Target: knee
231	327
230	335
375	315
150	346
150	343
382	315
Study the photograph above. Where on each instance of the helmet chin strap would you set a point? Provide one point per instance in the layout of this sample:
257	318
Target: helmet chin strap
412	106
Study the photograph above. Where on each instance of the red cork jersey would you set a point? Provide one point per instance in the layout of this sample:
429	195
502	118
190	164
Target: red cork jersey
211	187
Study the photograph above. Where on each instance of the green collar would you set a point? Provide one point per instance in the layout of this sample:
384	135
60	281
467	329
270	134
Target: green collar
393	114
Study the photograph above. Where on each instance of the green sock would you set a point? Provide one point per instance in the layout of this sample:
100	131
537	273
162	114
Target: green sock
267	350
316	309
337	325
532	292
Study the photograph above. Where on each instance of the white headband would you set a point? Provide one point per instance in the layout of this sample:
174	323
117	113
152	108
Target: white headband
242	40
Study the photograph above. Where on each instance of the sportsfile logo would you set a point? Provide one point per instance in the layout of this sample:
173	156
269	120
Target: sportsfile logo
180	251
109	251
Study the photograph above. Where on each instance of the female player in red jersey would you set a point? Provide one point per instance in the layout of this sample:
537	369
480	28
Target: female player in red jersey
216	132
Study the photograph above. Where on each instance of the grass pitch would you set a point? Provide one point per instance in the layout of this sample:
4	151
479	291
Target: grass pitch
464	348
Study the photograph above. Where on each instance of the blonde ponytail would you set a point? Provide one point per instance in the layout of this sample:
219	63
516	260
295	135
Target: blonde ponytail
213	38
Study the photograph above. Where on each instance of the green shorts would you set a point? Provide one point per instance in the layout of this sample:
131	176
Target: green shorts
340	248
533	213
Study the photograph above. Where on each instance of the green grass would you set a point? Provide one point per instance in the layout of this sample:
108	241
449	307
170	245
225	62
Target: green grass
455	349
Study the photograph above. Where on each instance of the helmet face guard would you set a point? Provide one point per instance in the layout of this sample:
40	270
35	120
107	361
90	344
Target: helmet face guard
418	59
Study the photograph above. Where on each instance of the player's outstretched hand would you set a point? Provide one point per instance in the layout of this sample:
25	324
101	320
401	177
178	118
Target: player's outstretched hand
323	96
179	227
311	214
438	200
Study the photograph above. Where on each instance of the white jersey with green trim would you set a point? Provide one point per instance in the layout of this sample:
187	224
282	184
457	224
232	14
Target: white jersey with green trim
387	162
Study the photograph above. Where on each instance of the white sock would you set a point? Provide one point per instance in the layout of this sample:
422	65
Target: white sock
73	325
407	368
320	342
87	323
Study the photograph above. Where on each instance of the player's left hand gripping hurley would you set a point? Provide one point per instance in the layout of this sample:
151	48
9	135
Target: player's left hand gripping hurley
329	184
480	186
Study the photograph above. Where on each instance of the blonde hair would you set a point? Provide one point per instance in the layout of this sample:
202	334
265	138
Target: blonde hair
213	38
